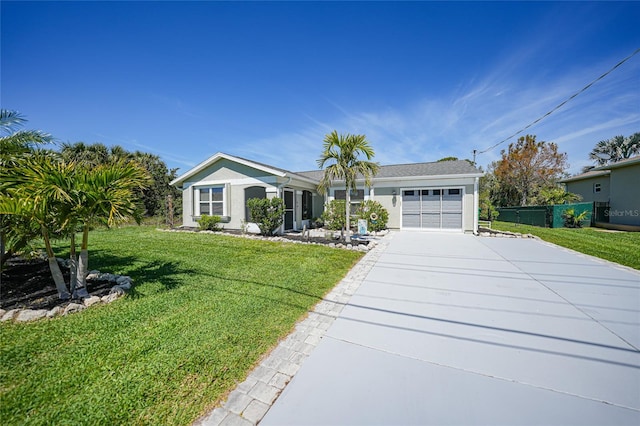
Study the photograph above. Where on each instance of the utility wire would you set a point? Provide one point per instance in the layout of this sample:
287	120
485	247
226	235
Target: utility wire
560	105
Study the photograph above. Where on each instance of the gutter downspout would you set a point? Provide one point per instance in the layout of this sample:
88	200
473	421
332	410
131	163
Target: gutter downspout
279	194
476	204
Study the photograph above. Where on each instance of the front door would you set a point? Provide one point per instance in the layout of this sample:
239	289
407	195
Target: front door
288	209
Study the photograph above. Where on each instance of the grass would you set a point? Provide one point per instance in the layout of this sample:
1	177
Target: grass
619	247
204	309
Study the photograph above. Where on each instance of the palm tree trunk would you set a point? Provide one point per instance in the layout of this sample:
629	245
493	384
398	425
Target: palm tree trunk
83	264
347	238
73	266
56	273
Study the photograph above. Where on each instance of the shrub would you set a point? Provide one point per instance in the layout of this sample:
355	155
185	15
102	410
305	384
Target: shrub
209	223
375	215
573	220
267	213
334	215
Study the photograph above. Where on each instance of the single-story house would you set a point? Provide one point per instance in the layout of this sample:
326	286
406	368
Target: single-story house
617	184
420	196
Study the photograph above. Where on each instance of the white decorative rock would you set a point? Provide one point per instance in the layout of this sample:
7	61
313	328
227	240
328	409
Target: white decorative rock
58	310
73	307
90	301
93	275
31	315
110	298
2	312
10	315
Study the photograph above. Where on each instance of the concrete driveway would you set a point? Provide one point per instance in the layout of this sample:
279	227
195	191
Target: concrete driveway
457	329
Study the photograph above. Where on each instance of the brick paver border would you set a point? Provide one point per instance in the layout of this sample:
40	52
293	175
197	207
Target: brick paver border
248	403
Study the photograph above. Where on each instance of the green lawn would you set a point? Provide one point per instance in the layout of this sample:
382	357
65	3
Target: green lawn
619	247
204	309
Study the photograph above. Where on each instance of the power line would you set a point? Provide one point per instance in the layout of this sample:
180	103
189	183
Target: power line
560	105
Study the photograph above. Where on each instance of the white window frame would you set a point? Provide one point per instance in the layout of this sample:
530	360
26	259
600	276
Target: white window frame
197	202
597	187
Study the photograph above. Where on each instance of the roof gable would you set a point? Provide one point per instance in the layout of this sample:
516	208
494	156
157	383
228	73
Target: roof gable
219	156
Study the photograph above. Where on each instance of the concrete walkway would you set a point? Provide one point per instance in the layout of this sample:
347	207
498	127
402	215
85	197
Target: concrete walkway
457	329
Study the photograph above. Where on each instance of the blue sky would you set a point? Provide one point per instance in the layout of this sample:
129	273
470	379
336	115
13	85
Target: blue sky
267	81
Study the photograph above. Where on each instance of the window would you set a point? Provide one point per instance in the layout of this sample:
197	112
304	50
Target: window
597	187
454	191
357	195
409	193
210	201
436	191
307	205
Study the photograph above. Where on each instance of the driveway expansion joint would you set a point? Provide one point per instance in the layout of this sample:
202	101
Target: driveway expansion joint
250	401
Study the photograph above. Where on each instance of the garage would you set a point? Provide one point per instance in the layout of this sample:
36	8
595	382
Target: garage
432	208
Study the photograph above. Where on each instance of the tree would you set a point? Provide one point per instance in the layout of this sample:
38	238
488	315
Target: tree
106	195
64	197
154	195
39	190
342	153
487	194
555	195
526	167
16	231
615	149
448	159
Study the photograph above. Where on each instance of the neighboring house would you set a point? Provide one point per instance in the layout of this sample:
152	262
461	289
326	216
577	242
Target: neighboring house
422	196
618	184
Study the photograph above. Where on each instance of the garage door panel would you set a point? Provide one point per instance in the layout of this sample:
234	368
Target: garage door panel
411	220
451	220
431	220
432	208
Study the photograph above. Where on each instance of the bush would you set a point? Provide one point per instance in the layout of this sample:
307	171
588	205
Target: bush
573	220
334	215
209	223
369	208
267	213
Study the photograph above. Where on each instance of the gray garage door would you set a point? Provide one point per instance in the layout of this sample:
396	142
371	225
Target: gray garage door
432	208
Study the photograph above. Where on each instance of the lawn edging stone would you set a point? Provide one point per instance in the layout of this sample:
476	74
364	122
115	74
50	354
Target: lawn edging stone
488	232
363	245
122	283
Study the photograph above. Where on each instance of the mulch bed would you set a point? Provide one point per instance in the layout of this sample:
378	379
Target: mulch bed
28	284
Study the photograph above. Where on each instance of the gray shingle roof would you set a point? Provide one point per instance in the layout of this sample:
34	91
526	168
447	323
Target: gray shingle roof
438	168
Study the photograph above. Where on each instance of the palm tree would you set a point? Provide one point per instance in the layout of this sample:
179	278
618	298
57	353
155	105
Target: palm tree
105	194
615	149
342	153
16	231
40	191
15	142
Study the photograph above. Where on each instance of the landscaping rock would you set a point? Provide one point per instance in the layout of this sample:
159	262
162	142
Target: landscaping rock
31	315
116	289
2	312
58	310
93	276
122	279
10	315
90	301
110	298
73	307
